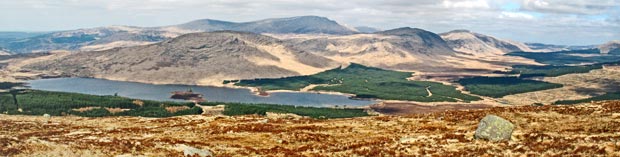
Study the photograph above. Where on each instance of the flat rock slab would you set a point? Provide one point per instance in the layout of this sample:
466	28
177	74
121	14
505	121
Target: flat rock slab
494	128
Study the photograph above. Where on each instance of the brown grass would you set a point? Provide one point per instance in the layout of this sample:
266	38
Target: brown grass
583	130
174	109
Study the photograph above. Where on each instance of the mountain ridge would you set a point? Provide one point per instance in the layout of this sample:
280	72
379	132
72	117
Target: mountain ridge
102	38
476	43
196	58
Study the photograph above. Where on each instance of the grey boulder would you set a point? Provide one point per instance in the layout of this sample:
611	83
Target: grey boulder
494	128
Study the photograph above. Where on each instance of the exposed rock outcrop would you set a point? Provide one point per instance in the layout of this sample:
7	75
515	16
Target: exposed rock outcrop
494	128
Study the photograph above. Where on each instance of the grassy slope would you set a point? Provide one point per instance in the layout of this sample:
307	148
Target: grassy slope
366	82
501	86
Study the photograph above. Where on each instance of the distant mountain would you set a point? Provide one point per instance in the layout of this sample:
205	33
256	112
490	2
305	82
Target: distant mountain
7	37
4	52
208	58
291	25
546	47
611	47
480	44
365	29
420	40
205	25
539	47
20	35
89	39
197	58
408	49
103	38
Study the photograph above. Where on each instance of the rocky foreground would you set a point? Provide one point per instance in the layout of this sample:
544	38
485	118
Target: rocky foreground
582	130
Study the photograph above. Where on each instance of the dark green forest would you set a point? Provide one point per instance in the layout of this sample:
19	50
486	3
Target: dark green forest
36	102
608	96
498	87
366	82
233	109
563	58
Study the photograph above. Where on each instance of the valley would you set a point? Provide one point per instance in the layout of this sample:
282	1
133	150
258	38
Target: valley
301	86
400	64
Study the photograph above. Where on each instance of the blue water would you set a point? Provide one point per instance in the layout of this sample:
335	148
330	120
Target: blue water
213	94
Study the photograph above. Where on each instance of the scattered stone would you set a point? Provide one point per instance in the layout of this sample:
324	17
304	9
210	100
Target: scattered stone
407	140
263	121
494	128
48	118
191	151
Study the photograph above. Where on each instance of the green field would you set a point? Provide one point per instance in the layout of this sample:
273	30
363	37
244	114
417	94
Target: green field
498	87
366	82
608	96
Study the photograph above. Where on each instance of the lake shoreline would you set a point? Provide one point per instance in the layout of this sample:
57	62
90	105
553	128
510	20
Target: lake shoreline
224	93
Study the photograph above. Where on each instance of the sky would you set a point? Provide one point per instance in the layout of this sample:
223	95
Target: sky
567	22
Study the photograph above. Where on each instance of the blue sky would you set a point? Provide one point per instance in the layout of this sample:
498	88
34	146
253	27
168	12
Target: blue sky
572	22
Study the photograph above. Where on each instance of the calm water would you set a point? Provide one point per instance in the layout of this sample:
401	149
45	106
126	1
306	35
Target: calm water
162	92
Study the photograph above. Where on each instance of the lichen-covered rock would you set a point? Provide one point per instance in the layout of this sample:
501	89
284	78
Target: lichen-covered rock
494	128
191	151
47	117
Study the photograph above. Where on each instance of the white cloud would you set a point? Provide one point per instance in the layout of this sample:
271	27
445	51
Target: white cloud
466	4
515	15
555	21
571	6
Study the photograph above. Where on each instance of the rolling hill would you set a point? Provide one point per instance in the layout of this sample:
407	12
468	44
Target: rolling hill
102	38
290	25
485	48
611	47
406	49
480	44
88	39
197	58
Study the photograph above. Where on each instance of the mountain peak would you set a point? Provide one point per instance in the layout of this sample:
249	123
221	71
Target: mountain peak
297	25
206	25
481	44
407	31
310	17
458	31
